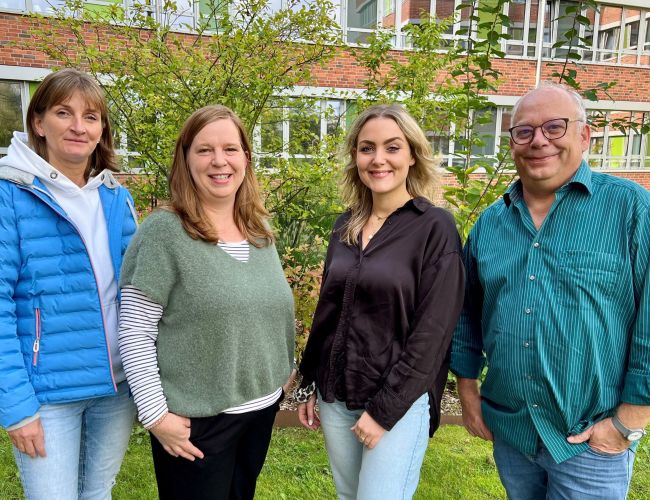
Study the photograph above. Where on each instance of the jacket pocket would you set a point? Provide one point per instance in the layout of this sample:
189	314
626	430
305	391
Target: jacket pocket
37	337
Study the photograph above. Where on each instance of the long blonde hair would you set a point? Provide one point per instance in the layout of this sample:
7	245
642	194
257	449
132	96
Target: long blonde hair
250	214
421	180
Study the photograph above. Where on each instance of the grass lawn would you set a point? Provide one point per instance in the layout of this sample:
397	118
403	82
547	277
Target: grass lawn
456	466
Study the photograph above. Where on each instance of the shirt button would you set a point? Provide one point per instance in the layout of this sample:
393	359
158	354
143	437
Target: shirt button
528	310
529	377
53	175
536	244
535	406
531	277
526	344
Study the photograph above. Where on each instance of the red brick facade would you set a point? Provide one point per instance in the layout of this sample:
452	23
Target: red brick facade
633	83
518	75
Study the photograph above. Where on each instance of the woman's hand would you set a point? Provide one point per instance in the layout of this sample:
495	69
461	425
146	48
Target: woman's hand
29	439
174	435
368	431
307	414
289	381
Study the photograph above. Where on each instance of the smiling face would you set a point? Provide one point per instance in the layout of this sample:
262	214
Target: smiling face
546	165
383	157
71	130
217	162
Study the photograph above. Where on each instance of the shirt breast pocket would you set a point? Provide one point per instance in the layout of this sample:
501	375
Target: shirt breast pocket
587	279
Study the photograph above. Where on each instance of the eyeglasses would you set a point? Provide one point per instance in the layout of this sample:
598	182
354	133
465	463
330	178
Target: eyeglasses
551	129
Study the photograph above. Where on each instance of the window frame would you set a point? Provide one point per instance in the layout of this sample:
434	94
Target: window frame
320	101
24	103
529	49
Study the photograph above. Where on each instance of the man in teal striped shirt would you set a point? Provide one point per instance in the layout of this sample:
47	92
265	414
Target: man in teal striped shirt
558	304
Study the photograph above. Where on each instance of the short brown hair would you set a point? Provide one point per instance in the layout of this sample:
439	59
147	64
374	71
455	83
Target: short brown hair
250	214
57	88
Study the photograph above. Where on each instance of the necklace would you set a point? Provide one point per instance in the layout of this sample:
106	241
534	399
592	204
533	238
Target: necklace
380	221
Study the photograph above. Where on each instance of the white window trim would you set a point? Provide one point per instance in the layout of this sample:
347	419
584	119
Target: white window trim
626	3
23	73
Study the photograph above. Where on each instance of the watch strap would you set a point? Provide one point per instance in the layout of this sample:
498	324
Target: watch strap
625	431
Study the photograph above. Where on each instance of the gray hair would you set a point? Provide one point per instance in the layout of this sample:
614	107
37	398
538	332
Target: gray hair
577	98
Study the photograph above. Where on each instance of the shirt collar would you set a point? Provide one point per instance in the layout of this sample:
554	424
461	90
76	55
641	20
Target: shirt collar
582	177
581	180
420	204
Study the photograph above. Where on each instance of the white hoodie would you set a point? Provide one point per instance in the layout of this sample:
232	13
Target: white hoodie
83	207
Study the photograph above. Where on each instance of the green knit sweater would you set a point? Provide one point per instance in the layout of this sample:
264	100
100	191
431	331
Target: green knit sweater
226	335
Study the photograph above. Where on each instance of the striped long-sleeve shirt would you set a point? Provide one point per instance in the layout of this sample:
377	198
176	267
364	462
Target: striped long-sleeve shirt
139	317
560	314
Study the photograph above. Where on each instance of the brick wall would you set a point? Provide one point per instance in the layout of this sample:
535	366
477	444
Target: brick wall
518	75
639	177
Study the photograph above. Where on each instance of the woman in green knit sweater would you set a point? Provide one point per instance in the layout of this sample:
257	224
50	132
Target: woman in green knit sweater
207	323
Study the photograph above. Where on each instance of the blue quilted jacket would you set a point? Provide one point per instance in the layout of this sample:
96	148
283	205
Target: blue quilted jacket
53	347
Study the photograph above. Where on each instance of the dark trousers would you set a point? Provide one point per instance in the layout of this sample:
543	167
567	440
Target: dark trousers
234	446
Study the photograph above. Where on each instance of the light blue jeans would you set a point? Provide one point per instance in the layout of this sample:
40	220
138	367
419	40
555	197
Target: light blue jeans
85	442
588	476
391	470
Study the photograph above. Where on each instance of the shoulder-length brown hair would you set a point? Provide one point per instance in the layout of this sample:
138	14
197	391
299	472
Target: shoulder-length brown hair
250	214
421	180
58	88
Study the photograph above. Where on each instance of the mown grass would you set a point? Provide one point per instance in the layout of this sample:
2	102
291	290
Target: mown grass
456	466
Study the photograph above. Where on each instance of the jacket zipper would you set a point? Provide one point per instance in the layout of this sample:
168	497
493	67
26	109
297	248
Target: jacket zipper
134	214
37	341
92	266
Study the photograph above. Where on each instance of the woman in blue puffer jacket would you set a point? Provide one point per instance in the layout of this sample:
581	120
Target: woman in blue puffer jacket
64	225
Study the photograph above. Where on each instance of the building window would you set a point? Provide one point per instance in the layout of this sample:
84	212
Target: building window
617	35
361	20
613	147
211	11
609	33
18	5
490	130
523	20
563	21
12	110
46	6
485	131
180	14
440	142
295	128
304	120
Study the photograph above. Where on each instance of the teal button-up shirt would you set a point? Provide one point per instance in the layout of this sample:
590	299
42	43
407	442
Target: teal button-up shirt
561	314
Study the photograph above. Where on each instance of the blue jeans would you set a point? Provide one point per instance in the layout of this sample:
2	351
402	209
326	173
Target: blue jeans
391	470
589	475
85	442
